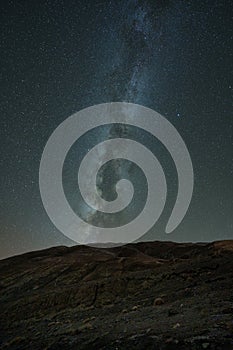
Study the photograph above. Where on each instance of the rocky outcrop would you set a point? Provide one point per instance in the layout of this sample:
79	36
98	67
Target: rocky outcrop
148	295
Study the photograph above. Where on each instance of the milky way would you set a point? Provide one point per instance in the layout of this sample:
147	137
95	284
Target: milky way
138	33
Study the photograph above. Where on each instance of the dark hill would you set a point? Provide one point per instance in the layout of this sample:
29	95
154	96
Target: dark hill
151	295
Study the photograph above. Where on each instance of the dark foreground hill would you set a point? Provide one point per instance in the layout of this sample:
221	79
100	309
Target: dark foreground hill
152	295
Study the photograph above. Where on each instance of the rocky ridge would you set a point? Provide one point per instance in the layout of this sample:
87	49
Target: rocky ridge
147	295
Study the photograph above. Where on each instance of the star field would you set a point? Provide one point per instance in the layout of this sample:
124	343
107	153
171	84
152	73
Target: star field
59	57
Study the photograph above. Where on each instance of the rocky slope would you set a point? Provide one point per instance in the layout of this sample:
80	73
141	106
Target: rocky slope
151	295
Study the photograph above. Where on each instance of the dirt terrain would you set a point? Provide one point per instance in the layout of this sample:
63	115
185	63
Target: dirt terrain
148	295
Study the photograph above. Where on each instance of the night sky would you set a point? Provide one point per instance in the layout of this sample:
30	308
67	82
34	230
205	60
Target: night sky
58	57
